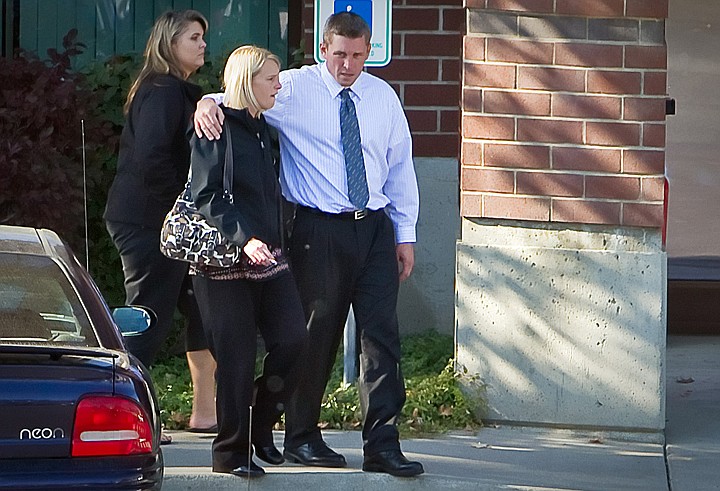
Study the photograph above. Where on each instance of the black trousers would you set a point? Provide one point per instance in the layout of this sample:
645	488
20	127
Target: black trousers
232	312
338	262
152	280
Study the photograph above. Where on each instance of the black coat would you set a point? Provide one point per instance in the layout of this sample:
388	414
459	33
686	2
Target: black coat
154	153
255	211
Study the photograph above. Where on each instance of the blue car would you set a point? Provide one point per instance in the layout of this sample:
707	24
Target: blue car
78	411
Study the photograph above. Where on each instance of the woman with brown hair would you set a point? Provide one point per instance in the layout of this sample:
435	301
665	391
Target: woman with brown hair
152	169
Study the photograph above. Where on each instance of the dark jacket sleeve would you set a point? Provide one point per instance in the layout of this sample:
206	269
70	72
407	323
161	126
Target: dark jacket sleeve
158	121
207	159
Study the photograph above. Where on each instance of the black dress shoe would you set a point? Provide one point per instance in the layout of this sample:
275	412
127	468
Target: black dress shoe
269	454
243	471
392	462
315	453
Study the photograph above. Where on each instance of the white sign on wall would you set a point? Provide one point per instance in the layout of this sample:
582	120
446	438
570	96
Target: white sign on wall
378	15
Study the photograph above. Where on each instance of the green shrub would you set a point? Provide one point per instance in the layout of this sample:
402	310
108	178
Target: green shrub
439	398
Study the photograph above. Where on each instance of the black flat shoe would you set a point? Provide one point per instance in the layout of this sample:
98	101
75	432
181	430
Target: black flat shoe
315	453
392	462
269	454
243	471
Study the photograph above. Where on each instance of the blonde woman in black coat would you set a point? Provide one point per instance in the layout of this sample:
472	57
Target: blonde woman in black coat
260	292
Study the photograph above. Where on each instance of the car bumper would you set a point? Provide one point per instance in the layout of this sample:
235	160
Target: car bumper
131	472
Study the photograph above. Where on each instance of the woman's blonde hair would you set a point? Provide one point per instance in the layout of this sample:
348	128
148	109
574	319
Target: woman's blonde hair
242	65
159	55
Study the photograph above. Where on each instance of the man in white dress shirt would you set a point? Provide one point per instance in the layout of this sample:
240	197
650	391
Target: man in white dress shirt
344	253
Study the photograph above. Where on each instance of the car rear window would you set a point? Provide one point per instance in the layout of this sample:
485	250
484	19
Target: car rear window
38	304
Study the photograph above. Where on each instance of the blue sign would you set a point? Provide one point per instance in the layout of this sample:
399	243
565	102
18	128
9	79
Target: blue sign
378	15
361	7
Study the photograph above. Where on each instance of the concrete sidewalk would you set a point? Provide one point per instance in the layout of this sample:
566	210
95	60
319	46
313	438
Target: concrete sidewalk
516	457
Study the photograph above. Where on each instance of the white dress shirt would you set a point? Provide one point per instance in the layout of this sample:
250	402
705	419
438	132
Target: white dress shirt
307	117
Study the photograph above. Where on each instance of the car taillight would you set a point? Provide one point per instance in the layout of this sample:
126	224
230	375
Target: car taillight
110	425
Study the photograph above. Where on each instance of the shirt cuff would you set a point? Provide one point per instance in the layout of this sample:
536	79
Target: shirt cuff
218	97
404	234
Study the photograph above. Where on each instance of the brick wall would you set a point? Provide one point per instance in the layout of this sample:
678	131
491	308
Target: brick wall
424	70
563	111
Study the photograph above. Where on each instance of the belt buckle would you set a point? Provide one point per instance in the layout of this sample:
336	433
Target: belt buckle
360	214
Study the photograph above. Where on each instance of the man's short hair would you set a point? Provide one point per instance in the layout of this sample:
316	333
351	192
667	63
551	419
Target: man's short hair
346	24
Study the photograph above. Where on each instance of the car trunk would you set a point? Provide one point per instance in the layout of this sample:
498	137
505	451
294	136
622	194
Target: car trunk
38	396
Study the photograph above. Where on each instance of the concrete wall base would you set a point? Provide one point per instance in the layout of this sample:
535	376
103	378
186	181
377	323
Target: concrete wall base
426	299
564	323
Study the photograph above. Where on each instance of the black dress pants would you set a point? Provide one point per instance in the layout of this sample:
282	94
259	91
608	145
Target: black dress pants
232	311
338	262
157	282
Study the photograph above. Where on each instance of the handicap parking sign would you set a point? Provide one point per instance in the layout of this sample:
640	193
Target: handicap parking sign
361	7
378	15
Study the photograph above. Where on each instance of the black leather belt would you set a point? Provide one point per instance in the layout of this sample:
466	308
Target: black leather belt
347	215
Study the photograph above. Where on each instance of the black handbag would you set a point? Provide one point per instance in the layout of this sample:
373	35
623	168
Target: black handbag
186	234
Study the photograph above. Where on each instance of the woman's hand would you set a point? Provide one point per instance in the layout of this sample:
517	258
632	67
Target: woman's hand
258	252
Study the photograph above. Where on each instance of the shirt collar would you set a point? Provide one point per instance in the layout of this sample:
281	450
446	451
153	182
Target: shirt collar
335	88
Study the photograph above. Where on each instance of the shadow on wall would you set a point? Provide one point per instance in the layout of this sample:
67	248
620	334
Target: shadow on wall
564	336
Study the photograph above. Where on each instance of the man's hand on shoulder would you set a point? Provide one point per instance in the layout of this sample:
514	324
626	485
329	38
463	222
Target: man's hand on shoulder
208	119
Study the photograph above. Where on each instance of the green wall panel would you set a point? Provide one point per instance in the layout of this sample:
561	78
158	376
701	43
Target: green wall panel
109	27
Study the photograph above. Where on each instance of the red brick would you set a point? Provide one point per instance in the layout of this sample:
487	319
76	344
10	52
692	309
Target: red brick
453	20
433	45
582	106
586	159
450	70
643	162
470	205
422	120
550	184
591	8
644	109
474	48
645	56
655	83
487	75
585	211
588	55
534	6
551	79
525	103
444	3
409	70
613	134
509	50
612	187
436	145
425	19
549	131
397	45
488	127
472	100
611	82
450	121
643	215
487	180
517	156
472	153
445	94
654	9
516	208
653	188
654	135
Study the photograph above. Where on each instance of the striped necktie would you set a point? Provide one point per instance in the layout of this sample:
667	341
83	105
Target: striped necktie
352	150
